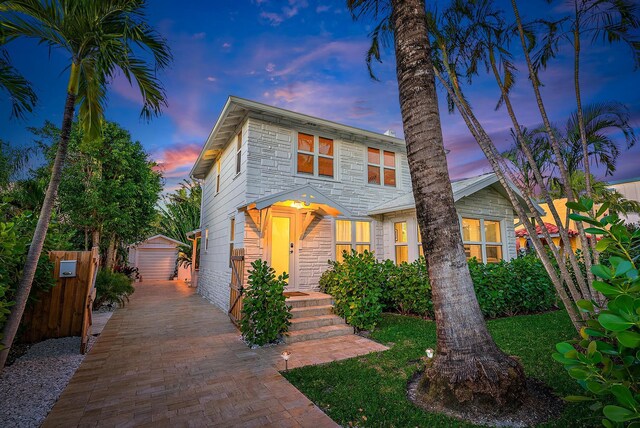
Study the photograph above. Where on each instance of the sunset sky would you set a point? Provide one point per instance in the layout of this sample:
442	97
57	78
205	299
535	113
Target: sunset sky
307	56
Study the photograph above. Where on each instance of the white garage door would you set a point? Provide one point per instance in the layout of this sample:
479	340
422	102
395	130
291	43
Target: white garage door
156	264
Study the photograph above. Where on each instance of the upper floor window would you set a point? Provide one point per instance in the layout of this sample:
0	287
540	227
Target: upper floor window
381	167
239	153
401	242
218	176
315	155
352	235
482	239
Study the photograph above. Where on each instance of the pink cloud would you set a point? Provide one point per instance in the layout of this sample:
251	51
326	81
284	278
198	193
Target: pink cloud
176	161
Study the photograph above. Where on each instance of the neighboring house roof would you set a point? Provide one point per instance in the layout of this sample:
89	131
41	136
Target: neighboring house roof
158	236
307	195
461	189
626	180
551	228
236	109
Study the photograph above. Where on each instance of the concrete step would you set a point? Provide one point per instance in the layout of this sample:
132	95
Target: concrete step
314	322
308	302
318	333
306	312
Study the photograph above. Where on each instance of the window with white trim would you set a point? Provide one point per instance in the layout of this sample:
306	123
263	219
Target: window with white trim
419	238
315	155
239	153
381	167
352	235
206	240
482	239
218	176
401	242
232	237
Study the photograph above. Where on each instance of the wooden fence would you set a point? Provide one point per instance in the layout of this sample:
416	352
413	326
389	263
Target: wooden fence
65	310
236	288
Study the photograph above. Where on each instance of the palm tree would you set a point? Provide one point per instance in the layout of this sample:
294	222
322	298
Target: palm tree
469	369
21	94
101	39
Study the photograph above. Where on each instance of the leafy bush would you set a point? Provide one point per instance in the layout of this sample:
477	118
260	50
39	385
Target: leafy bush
518	286
131	272
606	360
112	287
265	315
357	289
407	288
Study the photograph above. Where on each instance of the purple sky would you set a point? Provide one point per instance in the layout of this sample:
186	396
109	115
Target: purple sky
307	56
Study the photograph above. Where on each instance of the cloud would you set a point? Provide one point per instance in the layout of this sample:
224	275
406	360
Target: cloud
226	45
176	161
322	8
286	12
211	79
199	36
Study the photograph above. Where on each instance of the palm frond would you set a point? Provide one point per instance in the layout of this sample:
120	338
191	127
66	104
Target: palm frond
21	95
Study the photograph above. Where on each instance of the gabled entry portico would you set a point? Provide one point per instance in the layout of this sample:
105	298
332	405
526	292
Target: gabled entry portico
284	220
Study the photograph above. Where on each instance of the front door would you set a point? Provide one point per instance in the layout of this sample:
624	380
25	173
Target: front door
282	245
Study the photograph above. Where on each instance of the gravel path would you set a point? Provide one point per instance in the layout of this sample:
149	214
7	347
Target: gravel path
30	387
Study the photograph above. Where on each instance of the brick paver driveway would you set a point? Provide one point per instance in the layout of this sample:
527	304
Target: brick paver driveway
170	358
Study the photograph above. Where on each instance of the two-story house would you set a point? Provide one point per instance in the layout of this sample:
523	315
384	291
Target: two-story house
297	191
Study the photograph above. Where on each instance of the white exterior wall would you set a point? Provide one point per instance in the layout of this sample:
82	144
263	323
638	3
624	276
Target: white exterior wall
630	190
214	275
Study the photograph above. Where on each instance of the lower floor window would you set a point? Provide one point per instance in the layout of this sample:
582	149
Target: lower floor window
482	239
401	242
352	235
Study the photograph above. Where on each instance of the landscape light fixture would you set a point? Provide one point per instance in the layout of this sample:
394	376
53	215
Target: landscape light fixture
285	356
429	353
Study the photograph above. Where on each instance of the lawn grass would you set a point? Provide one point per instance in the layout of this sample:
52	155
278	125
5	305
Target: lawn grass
371	390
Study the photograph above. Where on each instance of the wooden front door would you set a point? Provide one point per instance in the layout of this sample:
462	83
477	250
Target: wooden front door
282	245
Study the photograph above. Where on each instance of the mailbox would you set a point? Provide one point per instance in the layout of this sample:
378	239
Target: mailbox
68	268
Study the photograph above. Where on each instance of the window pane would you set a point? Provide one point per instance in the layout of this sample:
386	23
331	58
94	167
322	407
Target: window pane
374	174
420	250
389	159
305	142
343	231
305	163
232	230
472	251
238	162
390	177
325	166
400	230
362	248
326	146
419	234
374	156
239	142
471	230
492	231
340	249
494	253
402	254
363	231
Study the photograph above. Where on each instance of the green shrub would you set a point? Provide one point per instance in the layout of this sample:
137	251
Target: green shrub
407	289
606	360
265	315
112	287
357	289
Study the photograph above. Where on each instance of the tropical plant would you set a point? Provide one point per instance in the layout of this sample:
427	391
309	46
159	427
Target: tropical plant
12	161
21	94
606	359
112	288
101	39
265	314
468	370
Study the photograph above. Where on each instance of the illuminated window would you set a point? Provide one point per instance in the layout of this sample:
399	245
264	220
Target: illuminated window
401	242
482	239
352	235
232	238
239	153
381	167
315	155
419	237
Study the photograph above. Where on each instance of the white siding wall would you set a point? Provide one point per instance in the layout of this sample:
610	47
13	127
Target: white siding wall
630	190
217	211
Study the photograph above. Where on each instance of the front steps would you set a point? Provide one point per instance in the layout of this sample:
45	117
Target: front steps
313	318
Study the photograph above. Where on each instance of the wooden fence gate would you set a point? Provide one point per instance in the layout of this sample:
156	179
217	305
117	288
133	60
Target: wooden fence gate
236	289
65	310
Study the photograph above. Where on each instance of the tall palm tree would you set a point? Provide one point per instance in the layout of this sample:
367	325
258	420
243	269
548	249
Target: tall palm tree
21	94
469	369
101	39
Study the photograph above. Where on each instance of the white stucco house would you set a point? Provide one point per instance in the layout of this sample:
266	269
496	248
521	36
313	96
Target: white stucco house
297	190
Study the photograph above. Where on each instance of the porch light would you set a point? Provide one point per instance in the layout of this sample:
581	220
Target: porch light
429	353
297	205
285	356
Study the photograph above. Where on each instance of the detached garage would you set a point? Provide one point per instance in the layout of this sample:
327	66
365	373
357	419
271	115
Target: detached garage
155	259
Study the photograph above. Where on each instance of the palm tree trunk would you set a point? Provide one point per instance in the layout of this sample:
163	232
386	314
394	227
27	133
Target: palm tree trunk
468	368
35	249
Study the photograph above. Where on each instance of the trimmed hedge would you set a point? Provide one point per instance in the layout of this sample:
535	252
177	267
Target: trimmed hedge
363	287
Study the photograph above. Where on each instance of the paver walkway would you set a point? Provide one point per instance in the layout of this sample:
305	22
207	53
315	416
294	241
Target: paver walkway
170	358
